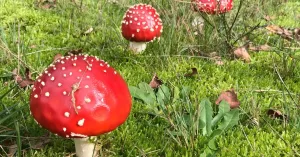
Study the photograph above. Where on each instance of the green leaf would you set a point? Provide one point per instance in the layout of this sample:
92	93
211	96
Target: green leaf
184	94
145	87
144	94
206	113
230	119
212	144
216	133
163	95
224	107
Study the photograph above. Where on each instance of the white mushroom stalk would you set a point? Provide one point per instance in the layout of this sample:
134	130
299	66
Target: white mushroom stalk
137	47
85	147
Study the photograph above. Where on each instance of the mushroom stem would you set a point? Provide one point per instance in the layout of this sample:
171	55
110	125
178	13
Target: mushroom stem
84	147
198	23
137	47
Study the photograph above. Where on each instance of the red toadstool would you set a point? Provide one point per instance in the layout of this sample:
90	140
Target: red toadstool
141	24
79	96
212	6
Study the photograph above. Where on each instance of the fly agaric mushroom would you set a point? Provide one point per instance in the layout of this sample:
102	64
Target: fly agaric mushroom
212	6
209	7
79	96
141	24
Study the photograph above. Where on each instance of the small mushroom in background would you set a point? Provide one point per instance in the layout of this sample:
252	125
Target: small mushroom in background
80	97
209	7
141	24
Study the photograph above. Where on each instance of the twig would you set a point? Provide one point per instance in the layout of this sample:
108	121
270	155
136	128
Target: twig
281	80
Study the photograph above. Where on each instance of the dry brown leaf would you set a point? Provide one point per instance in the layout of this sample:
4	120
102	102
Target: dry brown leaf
39	143
269	18
242	53
264	47
12	149
74	52
155	82
90	30
297	33
194	72
284	33
56	57
230	97
47	4
276	114
23	82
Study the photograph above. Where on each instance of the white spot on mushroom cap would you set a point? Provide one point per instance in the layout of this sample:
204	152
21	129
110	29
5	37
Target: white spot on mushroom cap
59	84
78	107
52	78
36	96
64	93
87	100
64	129
67	114
80	122
47	94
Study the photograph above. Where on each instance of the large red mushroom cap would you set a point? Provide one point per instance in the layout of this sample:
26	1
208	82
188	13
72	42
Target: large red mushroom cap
212	6
80	96
141	23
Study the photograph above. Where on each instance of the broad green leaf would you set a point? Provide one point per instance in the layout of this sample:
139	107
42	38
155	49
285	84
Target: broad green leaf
163	95
216	133
230	119
148	98
212	144
134	91
224	107
145	87
184	93
206	116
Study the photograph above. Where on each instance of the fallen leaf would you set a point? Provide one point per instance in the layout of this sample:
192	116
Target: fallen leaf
276	114
74	52
39	143
242	53
56	57
88	31
194	72
155	82
284	33
264	47
297	33
12	149
230	97
269	18
219	62
23	82
46	4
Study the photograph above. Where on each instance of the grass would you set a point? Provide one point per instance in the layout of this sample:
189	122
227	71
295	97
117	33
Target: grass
32	36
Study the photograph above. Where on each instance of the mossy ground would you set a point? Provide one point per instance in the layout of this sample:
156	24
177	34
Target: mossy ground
46	32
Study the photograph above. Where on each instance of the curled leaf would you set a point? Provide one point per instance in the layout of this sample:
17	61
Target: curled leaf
194	72
155	82
230	97
74	52
283	32
264	47
242	53
90	30
20	81
56	57
276	114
